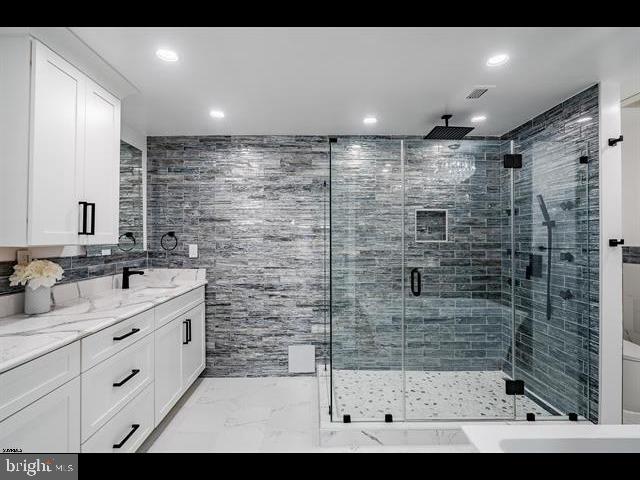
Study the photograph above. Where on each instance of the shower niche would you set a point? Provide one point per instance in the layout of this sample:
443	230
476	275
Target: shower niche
431	225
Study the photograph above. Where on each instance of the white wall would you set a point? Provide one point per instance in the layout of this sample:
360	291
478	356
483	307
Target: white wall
631	176
610	357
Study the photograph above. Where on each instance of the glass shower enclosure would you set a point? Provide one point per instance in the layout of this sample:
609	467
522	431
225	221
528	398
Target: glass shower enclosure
459	286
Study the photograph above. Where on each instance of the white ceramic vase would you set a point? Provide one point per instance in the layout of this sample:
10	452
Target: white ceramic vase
37	300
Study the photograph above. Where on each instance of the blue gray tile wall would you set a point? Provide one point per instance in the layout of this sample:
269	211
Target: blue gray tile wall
81	267
556	351
255	206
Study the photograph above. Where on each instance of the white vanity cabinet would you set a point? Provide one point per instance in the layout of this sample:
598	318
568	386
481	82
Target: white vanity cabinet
51	424
59	150
40	403
107	391
168	383
180	358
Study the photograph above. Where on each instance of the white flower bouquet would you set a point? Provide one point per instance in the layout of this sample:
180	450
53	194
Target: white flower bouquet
38	273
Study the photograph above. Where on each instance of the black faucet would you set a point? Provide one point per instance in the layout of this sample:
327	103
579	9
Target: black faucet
126	273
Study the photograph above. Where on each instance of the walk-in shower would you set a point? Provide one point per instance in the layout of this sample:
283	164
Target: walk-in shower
435	310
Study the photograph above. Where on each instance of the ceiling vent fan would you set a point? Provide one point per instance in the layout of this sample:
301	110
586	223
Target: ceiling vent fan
478	91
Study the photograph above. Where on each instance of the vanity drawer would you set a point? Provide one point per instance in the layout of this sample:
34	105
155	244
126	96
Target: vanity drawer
128	428
26	383
107	342
169	310
110	385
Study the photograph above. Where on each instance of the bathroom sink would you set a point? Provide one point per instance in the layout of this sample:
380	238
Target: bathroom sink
154	291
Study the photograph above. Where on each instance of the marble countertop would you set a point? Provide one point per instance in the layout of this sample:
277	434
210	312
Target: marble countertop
87	307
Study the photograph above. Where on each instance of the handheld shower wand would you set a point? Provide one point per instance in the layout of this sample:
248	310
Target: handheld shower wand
549	224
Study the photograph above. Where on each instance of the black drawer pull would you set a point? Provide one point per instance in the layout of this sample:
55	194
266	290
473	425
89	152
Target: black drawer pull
134	427
129	377
186	332
122	337
93	219
84	218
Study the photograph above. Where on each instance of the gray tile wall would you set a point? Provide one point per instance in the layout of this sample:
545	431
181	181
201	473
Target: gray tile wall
80	268
255	206
557	356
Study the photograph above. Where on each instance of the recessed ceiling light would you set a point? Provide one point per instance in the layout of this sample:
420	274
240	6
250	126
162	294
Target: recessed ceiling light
497	60
478	118
370	120
217	113
167	55
583	119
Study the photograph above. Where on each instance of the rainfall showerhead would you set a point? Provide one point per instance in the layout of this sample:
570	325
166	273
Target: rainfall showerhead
447	133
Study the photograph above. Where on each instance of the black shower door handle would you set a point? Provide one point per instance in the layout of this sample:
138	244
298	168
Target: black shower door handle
416	282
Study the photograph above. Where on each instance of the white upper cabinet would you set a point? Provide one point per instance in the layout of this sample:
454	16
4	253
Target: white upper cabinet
101	167
65	180
57	116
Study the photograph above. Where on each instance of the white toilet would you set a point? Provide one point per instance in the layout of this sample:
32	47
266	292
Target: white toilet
630	382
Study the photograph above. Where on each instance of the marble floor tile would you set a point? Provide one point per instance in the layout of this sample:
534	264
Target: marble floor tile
243	415
279	414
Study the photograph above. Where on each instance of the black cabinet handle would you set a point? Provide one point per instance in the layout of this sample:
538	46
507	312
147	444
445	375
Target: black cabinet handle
186	332
122	337
416	282
93	219
129	377
84	218
615	242
134	427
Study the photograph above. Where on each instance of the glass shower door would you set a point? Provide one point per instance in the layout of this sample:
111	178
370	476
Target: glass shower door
456	204
366	279
553	309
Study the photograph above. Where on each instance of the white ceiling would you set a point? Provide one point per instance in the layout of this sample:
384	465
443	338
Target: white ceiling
325	80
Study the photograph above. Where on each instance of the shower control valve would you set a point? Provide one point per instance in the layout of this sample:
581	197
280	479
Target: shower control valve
615	242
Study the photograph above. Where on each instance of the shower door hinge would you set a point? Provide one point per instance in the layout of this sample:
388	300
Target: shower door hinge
388	418
614	242
514	387
512	160
333	139
346	418
573	417
531	417
584	159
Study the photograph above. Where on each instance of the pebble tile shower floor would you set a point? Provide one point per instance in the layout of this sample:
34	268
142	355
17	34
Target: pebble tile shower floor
457	395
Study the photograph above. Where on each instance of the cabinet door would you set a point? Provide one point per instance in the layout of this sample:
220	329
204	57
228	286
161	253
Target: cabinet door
168	366
50	424
193	357
57	124
101	166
